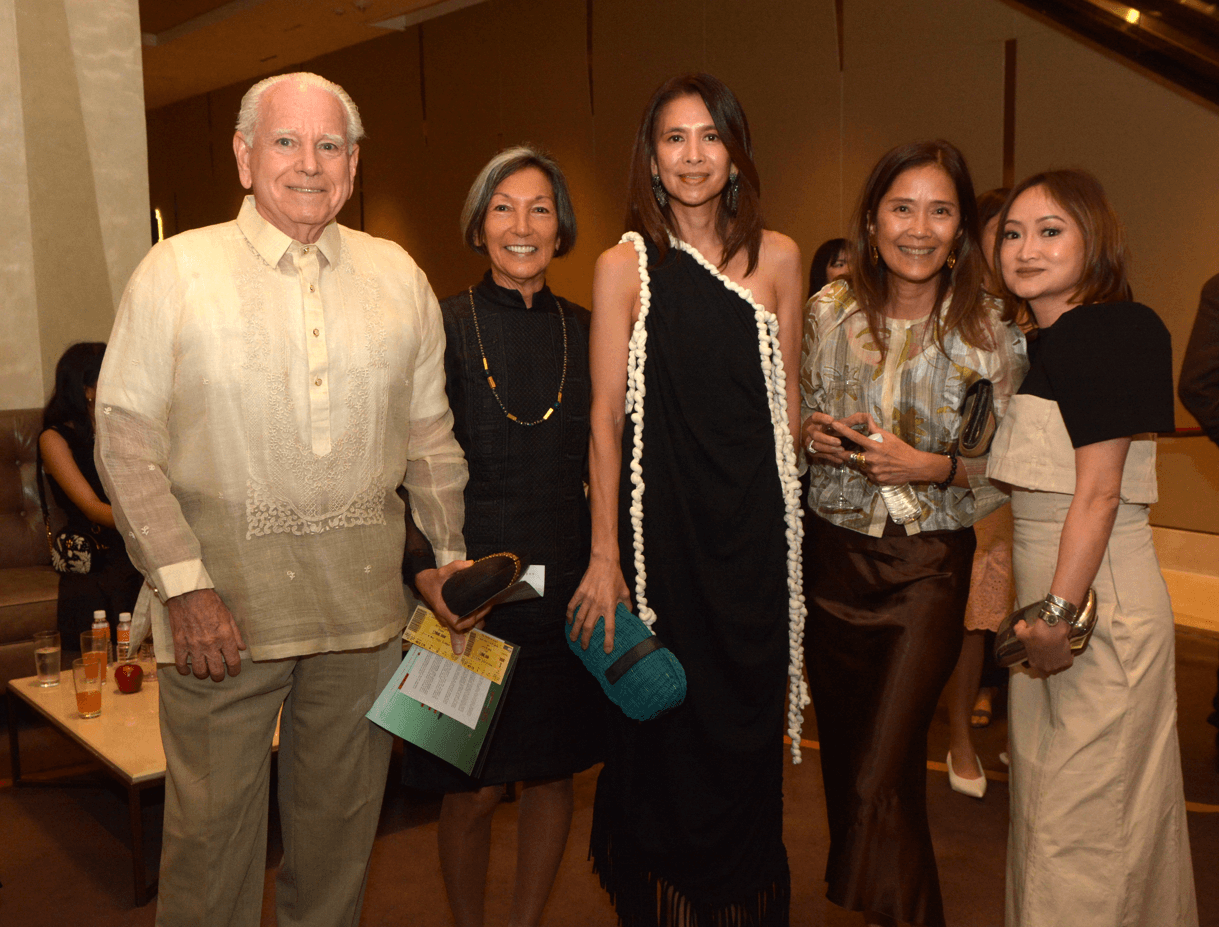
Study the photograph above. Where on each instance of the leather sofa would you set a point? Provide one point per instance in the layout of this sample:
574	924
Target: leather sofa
29	587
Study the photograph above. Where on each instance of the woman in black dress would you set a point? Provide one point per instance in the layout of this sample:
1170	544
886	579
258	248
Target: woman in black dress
65	453
698	308
516	361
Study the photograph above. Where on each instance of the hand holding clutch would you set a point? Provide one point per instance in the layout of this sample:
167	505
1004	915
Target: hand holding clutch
641	676
1009	649
468	590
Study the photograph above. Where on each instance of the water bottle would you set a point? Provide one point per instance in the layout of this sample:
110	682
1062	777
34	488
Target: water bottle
123	642
901	501
100	624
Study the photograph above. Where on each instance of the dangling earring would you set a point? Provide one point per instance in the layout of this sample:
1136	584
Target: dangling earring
734	193
875	255
952	259
658	191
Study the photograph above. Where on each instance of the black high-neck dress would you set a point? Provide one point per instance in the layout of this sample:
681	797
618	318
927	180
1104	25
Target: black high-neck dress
526	495
688	819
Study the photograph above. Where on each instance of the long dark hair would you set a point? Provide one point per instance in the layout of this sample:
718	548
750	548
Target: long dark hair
819	269
77	370
1105	278
643	213
870	277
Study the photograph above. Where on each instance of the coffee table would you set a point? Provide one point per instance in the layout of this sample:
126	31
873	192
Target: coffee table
125	739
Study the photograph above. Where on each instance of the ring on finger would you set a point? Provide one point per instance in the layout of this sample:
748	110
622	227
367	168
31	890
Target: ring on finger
857	458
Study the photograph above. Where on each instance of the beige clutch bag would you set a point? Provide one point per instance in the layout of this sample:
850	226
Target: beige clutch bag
1009	649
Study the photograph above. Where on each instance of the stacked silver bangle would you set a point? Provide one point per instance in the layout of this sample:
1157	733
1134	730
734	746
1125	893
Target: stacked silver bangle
1055	609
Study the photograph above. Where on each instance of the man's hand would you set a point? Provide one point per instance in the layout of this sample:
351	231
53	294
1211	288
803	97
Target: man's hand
205	635
429	584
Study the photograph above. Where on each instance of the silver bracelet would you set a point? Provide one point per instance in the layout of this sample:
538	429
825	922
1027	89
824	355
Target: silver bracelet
1055	609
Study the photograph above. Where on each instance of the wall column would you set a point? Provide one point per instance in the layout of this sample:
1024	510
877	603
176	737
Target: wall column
73	141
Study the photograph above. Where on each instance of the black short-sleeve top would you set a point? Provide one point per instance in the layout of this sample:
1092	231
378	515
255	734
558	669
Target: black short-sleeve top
1100	372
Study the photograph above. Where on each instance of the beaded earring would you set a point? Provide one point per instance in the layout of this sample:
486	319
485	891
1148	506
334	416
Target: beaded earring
658	191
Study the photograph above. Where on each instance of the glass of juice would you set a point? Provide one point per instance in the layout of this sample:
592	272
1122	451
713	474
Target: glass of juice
46	657
87	675
95	645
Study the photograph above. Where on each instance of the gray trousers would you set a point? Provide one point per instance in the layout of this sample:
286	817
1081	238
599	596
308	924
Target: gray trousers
333	764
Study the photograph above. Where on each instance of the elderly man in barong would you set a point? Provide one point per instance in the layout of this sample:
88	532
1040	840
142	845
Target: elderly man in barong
270	383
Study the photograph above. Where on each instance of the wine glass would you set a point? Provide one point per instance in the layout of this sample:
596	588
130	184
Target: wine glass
837	387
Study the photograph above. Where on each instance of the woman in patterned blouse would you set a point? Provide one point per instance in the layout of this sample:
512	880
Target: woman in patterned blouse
889	354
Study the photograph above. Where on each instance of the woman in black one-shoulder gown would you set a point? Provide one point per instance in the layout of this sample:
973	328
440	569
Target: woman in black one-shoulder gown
696	519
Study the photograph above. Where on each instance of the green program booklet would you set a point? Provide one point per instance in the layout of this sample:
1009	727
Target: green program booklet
444	703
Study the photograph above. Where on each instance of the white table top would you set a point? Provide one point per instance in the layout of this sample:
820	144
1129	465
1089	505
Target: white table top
126	736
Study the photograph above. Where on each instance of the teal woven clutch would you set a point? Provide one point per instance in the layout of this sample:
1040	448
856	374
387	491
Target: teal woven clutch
641	676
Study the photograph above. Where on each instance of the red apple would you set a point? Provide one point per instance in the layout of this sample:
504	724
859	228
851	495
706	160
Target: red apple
128	677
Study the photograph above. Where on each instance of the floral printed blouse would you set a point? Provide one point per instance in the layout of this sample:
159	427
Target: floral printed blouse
915	391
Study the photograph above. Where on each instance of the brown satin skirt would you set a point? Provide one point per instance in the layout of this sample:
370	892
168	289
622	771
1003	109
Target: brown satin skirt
884	633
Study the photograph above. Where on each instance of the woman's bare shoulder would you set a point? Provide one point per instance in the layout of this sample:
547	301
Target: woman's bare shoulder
621	258
51	438
779	254
616	279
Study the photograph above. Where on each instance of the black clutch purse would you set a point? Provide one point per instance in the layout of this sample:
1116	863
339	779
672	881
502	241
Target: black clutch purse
977	419
468	590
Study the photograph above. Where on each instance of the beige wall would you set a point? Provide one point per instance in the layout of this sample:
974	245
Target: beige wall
513	70
72	138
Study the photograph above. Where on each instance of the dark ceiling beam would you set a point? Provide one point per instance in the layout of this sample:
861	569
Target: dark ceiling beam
1167	43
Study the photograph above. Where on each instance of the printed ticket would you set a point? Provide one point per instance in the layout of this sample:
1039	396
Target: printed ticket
485	654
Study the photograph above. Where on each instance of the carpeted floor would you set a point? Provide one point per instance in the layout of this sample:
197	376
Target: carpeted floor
64	852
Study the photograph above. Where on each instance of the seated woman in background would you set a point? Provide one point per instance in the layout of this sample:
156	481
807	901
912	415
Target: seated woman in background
65	454
516	362
1098	833
892	350
829	264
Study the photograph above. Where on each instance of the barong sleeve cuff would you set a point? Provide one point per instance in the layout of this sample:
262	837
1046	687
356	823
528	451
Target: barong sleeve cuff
444	557
180	578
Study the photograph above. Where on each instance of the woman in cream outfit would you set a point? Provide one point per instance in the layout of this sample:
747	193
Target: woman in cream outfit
1098	832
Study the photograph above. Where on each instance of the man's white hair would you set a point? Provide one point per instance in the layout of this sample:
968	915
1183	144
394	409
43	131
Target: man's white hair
247	118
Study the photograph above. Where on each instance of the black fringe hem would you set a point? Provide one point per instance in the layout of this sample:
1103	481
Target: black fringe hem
643	898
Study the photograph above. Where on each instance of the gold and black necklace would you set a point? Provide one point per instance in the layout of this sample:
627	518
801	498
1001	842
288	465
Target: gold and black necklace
491	380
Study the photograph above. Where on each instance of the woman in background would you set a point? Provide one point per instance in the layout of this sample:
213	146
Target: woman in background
990	589
516	362
696	518
65	453
1098	834
893	350
829	264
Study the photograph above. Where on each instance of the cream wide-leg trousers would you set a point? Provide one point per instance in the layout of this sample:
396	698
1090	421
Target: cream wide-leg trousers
1098	835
